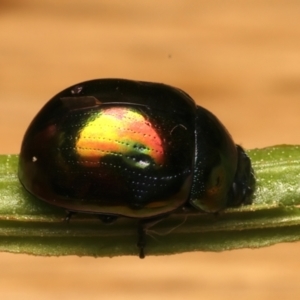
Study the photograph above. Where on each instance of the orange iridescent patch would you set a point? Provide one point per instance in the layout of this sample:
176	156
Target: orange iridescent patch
118	131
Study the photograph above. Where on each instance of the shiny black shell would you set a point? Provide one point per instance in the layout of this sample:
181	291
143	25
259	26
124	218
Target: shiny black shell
136	149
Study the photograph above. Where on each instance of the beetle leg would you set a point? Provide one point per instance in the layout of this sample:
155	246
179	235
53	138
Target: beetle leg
141	239
108	219
68	216
143	225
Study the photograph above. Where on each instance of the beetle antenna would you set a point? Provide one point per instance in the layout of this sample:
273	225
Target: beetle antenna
149	232
141	240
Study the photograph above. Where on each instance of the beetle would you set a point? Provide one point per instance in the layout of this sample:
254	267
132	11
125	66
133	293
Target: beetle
123	148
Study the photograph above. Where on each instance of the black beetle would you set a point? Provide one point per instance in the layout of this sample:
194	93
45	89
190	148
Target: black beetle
122	148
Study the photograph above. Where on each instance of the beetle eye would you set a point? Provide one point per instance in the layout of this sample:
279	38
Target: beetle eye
218	180
215	180
215	189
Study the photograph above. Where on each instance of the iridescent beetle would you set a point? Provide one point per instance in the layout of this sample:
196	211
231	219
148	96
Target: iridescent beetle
121	148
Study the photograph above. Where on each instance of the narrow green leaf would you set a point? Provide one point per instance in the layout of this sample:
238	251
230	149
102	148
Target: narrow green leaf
28	225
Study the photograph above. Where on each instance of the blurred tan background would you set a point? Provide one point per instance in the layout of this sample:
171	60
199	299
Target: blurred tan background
239	59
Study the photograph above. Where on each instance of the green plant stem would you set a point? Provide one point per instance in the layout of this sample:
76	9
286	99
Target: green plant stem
28	225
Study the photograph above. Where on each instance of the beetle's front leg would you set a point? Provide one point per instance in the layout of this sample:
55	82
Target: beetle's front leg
141	243
143	225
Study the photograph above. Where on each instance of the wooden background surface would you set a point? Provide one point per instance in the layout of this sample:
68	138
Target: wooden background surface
239	59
